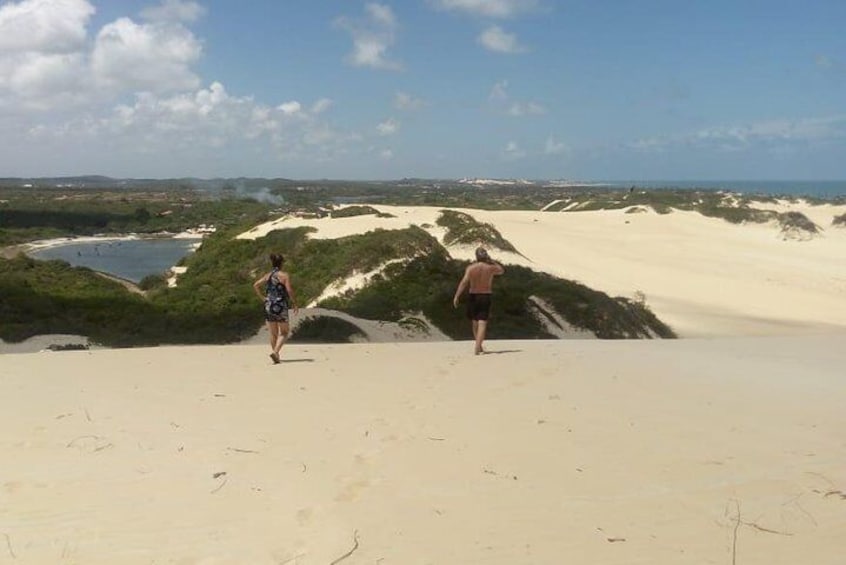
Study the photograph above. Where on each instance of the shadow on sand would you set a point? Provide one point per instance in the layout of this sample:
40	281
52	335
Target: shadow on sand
305	360
501	351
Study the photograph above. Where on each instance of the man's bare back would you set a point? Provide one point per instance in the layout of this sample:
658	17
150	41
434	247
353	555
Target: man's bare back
480	276
478	279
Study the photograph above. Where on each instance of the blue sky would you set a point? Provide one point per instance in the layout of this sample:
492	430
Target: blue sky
617	89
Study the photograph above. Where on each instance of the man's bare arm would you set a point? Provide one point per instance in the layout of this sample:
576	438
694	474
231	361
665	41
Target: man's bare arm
461	286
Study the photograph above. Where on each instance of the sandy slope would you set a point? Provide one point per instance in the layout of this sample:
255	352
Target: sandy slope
703	276
658	452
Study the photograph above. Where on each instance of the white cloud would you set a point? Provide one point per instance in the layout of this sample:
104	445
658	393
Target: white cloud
823	61
290	108
519	109
513	151
765	134
830	64
488	8
63	88
554	147
382	14
499	92
405	101
208	118
386	154
42	59
40	81
388	127
49	62
321	106
372	37
501	101
43	26
174	10
498	40
155	56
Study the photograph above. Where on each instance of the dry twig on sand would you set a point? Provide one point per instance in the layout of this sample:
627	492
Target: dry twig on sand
217	476
241	450
734	535
738	521
9	546
76	439
350	552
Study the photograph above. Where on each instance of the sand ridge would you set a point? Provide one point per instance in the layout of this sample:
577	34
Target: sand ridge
703	276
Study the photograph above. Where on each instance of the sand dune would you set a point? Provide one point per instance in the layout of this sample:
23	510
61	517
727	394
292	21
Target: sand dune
703	276
723	451
660	452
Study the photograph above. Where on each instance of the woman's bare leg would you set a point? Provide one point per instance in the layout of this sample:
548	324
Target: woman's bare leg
283	330
273	330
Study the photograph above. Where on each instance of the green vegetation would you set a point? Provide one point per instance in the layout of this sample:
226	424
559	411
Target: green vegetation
730	207
326	329
49	214
44	297
733	208
797	221
350	211
464	229
153	282
214	301
427	285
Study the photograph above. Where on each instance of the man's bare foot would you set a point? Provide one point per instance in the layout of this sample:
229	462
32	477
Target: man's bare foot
275	358
480	351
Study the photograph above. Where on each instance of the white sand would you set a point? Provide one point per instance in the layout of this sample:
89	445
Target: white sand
598	452
703	276
694	451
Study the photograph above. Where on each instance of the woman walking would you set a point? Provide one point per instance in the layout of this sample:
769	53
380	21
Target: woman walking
278	297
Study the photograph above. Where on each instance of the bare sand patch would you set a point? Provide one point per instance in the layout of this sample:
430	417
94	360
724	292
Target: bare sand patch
580	451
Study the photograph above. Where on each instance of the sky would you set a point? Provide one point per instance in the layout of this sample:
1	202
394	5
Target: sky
343	89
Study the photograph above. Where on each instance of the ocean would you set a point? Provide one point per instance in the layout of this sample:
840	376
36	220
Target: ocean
131	259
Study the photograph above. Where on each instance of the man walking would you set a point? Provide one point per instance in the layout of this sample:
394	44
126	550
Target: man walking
479	278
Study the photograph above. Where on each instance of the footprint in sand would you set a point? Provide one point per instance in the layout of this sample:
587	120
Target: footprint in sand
12	486
352	490
304	516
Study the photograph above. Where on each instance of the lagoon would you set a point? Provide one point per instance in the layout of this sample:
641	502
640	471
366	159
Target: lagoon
129	259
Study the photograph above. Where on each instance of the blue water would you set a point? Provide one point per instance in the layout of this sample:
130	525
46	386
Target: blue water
828	189
128	259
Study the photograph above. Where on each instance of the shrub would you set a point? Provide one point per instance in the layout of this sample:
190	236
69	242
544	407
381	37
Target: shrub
463	229
326	329
153	282
350	211
797	221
